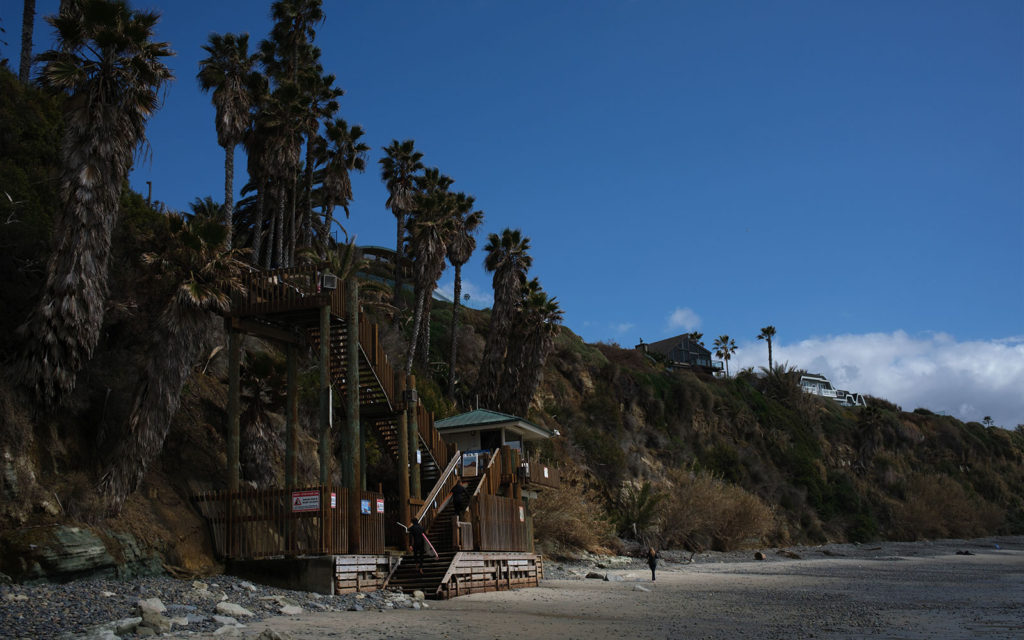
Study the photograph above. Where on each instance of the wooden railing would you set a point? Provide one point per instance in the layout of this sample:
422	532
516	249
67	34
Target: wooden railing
539	473
440	450
440	493
257	523
286	290
373	350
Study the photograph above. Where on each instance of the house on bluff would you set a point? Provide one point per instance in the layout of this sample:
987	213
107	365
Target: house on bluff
682	352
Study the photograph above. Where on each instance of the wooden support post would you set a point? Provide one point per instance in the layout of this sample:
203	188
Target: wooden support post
414	443
291	443
325	394
403	450
353	462
234	390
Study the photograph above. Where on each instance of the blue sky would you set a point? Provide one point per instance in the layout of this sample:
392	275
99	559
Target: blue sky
849	172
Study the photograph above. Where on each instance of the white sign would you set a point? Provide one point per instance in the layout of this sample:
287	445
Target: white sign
334	500
305	500
380	505
545	472
418	457
522	514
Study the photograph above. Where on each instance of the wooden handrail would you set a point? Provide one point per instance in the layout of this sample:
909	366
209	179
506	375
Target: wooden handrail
440	487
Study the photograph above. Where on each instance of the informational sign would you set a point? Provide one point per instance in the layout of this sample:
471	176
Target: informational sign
364	507
380	505
419	457
522	514
545	472
305	500
469	464
334	500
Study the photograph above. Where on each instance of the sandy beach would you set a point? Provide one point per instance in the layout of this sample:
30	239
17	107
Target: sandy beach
944	590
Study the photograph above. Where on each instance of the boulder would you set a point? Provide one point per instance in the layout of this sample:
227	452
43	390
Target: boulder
59	553
232	609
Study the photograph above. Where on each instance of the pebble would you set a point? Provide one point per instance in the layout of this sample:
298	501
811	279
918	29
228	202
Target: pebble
94	608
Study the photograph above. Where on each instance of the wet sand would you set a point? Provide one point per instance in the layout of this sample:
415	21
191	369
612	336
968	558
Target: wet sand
938	590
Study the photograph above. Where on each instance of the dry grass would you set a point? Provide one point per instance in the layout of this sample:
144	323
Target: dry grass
936	506
571	517
703	512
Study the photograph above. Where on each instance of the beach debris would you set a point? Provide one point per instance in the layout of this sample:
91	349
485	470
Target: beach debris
964	552
788	554
760	556
834	554
640	587
594	575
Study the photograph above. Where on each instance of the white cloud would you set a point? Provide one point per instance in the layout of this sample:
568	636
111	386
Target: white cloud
683	318
623	327
479	298
969	380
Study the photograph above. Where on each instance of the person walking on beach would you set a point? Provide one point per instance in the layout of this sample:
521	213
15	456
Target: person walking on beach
417	543
652	561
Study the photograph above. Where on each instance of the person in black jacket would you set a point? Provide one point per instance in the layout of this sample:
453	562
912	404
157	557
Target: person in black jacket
417	543
460	497
652	561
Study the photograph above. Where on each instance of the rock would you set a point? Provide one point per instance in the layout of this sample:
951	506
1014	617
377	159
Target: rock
156	621
230	631
225	620
788	554
181	621
613	578
145	632
594	575
291	610
964	552
269	634
151	605
231	609
638	587
126	625
248	586
200	586
418	595
760	556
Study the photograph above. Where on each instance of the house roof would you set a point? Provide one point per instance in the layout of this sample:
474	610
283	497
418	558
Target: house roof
482	418
665	347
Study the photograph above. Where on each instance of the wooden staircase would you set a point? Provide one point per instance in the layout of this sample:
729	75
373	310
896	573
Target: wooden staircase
441	534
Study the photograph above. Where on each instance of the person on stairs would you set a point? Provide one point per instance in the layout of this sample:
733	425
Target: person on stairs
460	498
417	543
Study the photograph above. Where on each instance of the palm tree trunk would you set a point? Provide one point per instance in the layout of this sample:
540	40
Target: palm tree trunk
455	326
257	230
424	348
417	318
293	221
28	21
307	209
229	194
397	301
279	232
173	351
770	355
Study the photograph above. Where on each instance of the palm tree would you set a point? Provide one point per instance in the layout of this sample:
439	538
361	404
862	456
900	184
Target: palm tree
201	277
767	333
724	348
206	209
111	72
261	381
322	103
229	72
399	166
429	230
537	325
432	181
696	337
508	260
28	21
460	247
342	152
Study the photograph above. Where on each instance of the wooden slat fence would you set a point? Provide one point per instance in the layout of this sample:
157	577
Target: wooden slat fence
439	449
260	523
500	524
540	473
282	290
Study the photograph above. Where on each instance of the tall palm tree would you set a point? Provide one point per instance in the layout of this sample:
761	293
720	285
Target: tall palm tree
399	167
322	103
508	260
724	348
229	71
283	150
432	181
767	333
342	152
201	276
429	230
537	325
111	71
28	22
460	247
697	337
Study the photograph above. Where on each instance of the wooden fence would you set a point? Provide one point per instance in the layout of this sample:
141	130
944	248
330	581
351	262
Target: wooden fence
260	523
500	524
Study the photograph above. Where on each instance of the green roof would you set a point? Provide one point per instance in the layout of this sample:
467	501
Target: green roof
481	417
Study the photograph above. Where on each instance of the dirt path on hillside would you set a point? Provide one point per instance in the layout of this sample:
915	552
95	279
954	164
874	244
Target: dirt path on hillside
912	591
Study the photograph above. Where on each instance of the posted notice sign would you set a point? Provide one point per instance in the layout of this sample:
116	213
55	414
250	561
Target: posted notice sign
380	505
305	501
